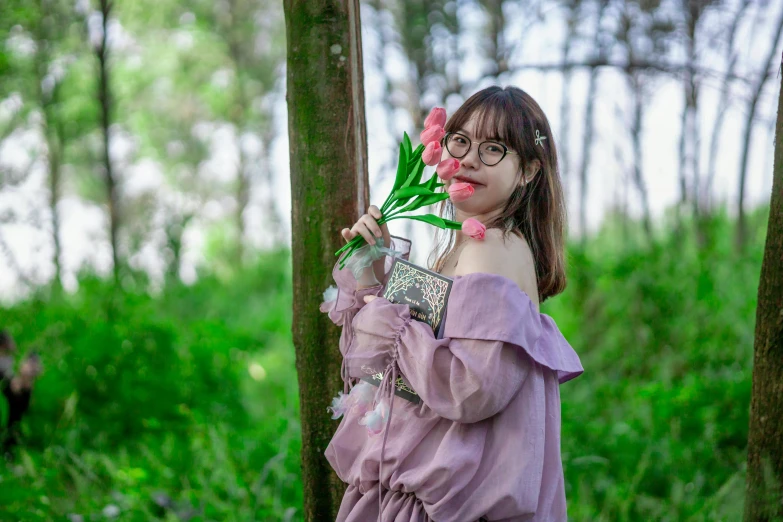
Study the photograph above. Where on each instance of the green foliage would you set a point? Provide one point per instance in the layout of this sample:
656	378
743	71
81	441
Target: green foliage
190	395
656	428
146	396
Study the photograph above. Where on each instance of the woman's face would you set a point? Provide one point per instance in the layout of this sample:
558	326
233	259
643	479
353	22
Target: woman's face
493	185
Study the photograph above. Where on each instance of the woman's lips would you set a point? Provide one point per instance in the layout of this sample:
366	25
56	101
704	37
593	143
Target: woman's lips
474	184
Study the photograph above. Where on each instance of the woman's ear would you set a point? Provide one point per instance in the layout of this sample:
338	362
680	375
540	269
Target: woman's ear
531	171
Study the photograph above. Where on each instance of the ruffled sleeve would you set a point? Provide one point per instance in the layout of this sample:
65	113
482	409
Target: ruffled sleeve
492	338
350	298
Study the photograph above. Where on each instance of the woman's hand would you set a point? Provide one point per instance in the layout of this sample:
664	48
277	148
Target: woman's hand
368	227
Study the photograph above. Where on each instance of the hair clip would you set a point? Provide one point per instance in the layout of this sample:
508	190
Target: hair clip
539	139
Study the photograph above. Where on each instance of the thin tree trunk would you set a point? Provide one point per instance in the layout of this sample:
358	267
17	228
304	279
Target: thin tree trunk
723	103
53	132
764	500
751	114
497	48
587	140
329	190
104	97
565	101
273	217
636	138
55	146
242	197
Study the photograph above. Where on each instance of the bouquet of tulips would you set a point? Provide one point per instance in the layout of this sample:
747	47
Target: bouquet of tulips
410	193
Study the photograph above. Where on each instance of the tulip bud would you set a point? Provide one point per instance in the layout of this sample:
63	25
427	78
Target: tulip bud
447	168
459	192
431	134
474	228
432	153
437	117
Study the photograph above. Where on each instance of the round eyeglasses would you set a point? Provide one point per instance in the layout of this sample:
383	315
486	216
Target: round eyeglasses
490	152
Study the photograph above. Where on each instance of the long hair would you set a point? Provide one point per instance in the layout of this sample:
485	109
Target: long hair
535	210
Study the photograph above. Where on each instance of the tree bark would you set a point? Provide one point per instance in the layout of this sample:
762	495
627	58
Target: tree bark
329	190
104	97
751	114
764	499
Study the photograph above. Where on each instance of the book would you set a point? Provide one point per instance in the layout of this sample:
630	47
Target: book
425	291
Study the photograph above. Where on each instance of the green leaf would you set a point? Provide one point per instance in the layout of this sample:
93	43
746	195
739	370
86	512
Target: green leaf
423	201
407	142
402	170
415	176
408	192
432	219
433	184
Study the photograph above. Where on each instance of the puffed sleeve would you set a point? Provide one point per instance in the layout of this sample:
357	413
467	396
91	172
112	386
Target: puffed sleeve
493	339
349	298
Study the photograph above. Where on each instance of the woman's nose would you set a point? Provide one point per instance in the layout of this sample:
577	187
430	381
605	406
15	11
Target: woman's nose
471	159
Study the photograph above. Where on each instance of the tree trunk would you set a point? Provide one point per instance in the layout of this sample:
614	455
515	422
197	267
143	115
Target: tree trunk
587	138
637	81
104	97
565	100
751	114
329	190
731	63
52	130
764	500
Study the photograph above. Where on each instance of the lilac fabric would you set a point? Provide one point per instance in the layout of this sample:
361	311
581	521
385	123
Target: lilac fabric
485	440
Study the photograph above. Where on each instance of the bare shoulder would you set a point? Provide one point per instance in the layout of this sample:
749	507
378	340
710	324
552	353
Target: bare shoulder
510	257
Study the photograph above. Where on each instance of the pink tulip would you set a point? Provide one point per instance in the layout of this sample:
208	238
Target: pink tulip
432	153
431	134
459	192
473	228
437	117
447	168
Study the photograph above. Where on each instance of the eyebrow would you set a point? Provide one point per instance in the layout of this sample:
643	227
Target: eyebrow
489	138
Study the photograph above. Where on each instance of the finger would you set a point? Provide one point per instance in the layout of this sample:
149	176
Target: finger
374	212
368	298
372	225
347	234
361	228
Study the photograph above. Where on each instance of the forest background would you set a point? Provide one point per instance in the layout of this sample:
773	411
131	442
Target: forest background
145	239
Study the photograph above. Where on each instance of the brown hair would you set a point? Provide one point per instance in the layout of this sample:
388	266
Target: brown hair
535	210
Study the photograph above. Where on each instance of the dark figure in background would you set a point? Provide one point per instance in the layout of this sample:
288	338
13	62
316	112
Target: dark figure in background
17	389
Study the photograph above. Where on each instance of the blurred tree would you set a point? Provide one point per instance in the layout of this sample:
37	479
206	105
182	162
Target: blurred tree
731	55
573	15
329	190
106	102
764	488
253	40
601	45
644	32
39	78
756	89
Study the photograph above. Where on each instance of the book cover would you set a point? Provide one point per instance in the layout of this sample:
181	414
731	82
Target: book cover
425	291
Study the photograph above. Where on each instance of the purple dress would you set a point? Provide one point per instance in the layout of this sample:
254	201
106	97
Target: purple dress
484	442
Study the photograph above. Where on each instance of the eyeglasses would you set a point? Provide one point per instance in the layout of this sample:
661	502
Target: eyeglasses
490	152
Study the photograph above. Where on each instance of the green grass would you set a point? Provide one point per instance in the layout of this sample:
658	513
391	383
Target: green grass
191	395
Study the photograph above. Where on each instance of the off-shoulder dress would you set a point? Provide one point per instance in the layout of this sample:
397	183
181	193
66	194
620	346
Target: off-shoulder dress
483	443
